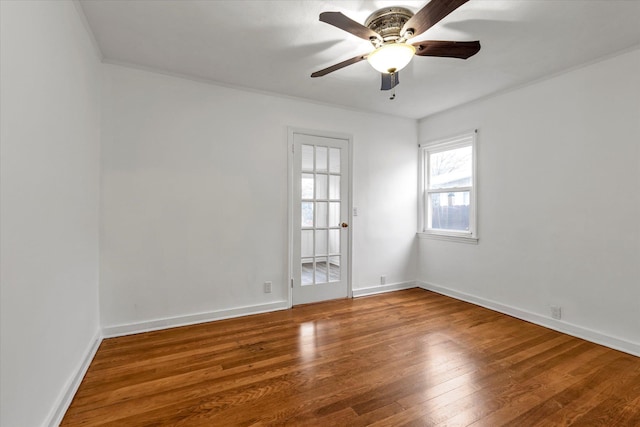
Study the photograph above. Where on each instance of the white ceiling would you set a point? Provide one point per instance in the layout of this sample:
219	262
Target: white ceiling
274	46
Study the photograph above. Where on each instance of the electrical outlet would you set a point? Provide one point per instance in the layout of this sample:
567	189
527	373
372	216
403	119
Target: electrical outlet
383	280
267	287
556	312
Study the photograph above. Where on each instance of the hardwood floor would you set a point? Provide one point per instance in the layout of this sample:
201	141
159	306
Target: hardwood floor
407	358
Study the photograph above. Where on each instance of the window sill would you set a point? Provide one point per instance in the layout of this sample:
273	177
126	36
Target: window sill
449	237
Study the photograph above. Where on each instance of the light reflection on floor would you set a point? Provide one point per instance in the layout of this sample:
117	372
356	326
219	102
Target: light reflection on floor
307	340
439	352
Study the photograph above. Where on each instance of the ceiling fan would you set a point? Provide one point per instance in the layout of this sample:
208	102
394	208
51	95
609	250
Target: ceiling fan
388	29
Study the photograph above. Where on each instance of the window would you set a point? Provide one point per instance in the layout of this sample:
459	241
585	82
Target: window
448	205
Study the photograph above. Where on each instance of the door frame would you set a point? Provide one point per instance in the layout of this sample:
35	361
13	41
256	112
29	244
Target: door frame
291	131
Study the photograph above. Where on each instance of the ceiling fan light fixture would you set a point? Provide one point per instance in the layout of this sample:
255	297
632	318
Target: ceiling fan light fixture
392	57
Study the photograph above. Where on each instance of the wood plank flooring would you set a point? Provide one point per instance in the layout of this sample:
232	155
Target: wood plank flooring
406	358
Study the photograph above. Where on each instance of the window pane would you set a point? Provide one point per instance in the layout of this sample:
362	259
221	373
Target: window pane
334	187
321	159
307	214
321	242
451	168
334	241
321	186
334	160
307	157
307	186
306	244
334	214
321	214
449	211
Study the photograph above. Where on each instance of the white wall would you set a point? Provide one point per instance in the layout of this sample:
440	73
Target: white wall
194	197
559	202
50	118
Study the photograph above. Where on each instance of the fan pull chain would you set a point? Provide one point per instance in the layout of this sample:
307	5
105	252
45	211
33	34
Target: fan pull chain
393	85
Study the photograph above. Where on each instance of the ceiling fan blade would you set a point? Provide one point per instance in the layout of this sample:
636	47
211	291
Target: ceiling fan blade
339	65
430	15
389	81
446	49
337	19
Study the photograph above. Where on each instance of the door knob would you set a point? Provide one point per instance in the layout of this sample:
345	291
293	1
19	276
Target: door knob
344	225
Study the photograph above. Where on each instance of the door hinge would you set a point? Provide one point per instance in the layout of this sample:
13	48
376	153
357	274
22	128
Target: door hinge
292	283
293	148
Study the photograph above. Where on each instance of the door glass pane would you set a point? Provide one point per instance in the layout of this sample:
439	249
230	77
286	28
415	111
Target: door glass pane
321	186
306	243
451	168
307	271
321	159
307	214
334	160
307	158
321	214
334	268
334	187
449	211
307	186
334	214
321	270
334	241
321	242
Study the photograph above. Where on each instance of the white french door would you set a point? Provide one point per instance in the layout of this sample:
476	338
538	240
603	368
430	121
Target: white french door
320	233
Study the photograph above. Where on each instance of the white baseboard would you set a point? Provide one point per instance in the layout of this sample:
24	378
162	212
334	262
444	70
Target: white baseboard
190	319
372	290
69	390
558	325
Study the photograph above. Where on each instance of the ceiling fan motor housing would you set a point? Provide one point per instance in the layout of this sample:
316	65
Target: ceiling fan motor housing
388	22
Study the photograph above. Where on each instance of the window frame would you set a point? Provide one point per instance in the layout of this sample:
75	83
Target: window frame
425	150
